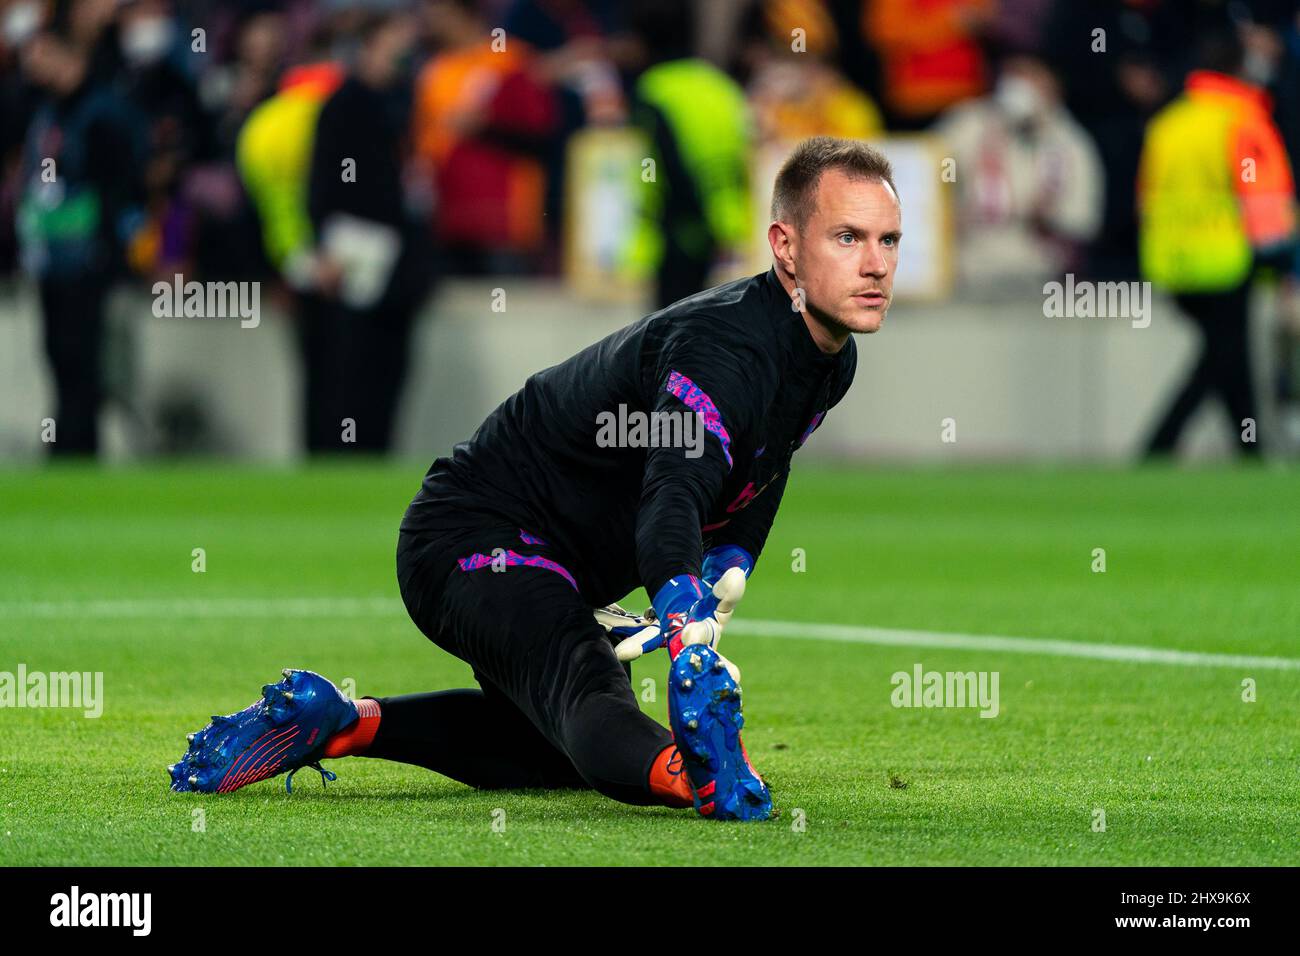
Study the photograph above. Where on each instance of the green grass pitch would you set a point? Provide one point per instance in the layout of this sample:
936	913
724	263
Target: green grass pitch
1185	771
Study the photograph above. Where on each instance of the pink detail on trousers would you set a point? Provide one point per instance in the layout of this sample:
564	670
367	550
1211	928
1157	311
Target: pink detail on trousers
476	562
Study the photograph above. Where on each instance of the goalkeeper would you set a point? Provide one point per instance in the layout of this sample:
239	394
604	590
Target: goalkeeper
539	518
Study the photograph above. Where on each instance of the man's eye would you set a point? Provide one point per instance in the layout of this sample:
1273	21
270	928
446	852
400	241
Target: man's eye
847	235
890	240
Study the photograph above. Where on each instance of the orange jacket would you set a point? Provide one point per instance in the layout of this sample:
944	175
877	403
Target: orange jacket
929	57
489	194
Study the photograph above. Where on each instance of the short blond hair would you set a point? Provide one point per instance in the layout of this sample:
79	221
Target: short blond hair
794	196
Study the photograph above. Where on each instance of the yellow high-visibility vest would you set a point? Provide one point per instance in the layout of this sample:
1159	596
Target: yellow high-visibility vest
273	156
1214	181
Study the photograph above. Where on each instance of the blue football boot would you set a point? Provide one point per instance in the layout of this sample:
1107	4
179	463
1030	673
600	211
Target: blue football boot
704	712
285	730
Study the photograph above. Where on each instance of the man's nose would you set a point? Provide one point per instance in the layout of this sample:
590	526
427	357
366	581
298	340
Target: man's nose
873	260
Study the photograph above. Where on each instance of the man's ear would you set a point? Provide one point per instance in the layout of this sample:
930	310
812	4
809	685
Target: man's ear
781	237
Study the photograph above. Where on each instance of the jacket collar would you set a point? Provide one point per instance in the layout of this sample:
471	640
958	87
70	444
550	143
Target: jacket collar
798	337
1207	81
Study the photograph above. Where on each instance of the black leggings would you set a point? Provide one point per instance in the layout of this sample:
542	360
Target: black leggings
556	707
471	736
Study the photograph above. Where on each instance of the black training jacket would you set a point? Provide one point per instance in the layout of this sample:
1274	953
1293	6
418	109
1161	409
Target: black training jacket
627	516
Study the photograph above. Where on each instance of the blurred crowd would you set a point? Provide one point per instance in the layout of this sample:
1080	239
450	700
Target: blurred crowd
353	151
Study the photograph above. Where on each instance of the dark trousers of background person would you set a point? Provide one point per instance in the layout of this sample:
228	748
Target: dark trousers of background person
461	260
354	365
1223	368
72	310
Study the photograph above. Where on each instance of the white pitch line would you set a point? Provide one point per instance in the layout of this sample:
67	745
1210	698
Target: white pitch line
1129	653
329	607
302	607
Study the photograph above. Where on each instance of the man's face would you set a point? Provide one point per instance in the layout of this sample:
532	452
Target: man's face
847	252
387	47
52	64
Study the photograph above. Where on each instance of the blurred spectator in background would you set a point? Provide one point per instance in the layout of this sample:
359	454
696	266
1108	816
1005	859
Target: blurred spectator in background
578	49
930	53
79	205
1121	60
153	77
1288	82
274	154
355	329
1288	333
90	26
19	22
1029	181
795	89
1020	25
1216	195
483	126
274	158
232	89
696	122
236	78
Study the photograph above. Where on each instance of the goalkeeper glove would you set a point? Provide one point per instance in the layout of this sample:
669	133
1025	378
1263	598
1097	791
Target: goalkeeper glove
717	562
623	625
688	614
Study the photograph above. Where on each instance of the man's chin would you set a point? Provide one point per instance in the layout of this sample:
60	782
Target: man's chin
866	322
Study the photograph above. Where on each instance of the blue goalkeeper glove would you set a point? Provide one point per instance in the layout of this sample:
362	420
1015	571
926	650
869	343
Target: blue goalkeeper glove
719	560
688	613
